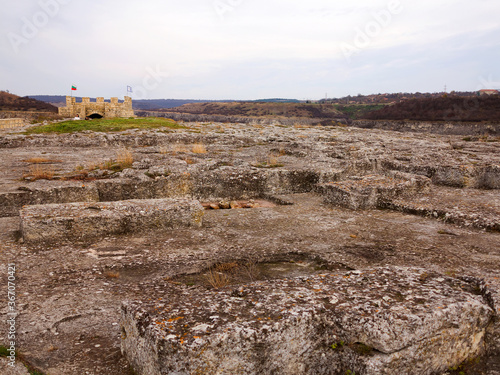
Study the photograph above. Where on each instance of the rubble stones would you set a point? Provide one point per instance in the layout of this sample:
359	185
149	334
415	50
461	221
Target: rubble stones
388	320
85	221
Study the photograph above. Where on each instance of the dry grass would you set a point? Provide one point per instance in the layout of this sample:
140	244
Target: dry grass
226	267
109	165
124	158
272	161
37	160
92	166
251	270
199	148
40	172
224	274
217	279
112	274
178	148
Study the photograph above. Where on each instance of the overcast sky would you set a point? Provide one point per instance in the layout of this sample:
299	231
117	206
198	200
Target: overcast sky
248	49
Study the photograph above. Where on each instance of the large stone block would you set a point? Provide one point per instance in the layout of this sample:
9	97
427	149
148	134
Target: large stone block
371	191
291	181
378	321
489	177
229	183
85	221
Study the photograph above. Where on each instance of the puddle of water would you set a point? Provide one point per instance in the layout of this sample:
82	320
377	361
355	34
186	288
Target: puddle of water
243	272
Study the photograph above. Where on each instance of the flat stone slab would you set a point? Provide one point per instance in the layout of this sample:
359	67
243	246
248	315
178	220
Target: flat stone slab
371	191
378	321
85	221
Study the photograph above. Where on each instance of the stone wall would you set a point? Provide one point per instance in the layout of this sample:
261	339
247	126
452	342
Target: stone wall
11	123
101	108
30	116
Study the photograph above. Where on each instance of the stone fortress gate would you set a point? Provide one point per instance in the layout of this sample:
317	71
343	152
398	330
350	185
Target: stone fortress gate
97	109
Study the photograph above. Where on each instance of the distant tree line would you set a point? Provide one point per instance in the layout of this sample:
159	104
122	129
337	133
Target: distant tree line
445	108
390	98
10	102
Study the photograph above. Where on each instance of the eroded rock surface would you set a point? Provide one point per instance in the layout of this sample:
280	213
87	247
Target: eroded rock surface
7	368
375	321
70	293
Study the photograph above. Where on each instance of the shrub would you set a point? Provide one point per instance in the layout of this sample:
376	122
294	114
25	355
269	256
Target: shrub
40	172
472	109
124	158
217	279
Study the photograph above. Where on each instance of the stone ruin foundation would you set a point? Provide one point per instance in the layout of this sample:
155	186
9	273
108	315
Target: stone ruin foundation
371	304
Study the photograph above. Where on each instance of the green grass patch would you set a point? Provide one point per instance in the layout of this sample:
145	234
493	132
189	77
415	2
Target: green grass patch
4	351
106	125
338	345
